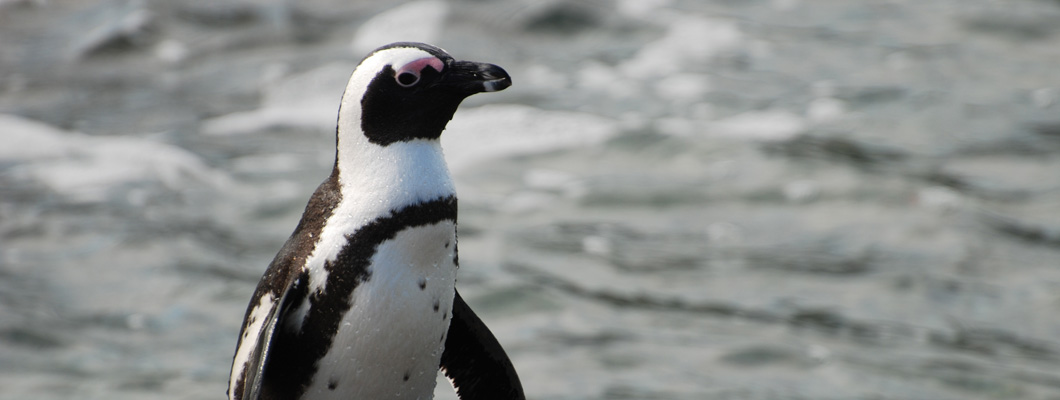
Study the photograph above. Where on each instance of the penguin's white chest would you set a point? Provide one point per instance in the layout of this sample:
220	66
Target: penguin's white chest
390	342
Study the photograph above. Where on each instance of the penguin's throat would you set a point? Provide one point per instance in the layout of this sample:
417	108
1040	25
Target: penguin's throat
384	178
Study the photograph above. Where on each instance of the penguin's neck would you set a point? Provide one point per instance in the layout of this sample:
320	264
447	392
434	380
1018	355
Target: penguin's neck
375	180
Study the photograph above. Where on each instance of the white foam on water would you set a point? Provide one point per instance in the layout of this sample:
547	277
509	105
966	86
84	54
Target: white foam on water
689	42
129	21
308	100
85	168
597	76
759	125
418	21
939	197
682	87
637	8
498	131
825	109
34	139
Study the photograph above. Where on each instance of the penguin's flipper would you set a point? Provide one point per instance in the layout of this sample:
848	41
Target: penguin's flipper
255	370
474	360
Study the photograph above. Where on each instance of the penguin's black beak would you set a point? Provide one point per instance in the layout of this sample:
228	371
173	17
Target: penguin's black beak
469	77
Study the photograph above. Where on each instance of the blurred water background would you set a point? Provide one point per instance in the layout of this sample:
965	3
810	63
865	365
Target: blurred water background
770	199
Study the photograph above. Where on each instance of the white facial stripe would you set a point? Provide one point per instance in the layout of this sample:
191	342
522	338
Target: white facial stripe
366	71
354	149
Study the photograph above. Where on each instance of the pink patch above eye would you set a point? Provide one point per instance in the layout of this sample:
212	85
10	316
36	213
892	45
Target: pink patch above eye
417	66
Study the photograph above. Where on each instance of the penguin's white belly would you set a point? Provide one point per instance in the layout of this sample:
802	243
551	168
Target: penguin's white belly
389	344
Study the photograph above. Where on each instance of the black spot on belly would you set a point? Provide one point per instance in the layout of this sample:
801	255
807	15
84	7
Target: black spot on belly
442	339
423	283
445	315
406	378
332	384
447	244
436	306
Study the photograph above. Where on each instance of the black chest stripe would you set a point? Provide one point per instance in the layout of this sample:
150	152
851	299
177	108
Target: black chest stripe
292	363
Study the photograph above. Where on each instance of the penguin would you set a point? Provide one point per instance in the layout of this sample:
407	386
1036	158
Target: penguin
360	302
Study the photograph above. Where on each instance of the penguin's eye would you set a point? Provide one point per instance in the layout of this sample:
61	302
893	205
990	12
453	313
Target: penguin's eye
407	79
408	75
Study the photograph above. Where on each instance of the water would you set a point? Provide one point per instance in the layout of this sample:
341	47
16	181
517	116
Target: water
676	200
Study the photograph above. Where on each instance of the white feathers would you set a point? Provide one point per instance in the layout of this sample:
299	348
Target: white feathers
374	182
249	342
395	328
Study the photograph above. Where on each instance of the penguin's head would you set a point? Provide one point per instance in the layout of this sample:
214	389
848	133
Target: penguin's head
406	91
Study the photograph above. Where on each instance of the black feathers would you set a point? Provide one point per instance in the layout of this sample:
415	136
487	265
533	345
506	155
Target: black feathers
292	365
475	360
283	271
401	107
391	113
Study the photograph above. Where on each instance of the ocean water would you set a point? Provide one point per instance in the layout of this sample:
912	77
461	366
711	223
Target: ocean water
775	199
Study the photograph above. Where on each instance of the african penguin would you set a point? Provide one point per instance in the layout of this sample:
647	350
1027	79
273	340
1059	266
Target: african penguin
360	302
